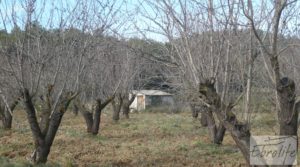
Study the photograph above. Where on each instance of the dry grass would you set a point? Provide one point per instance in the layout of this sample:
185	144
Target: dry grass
146	139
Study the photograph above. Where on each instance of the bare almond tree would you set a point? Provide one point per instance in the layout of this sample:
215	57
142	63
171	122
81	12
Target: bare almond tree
125	68
208	47
40	65
6	110
107	64
284	86
199	49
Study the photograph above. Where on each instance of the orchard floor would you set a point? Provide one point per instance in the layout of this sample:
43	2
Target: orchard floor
146	139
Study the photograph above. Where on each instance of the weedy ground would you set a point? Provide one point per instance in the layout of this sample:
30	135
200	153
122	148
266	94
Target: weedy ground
146	139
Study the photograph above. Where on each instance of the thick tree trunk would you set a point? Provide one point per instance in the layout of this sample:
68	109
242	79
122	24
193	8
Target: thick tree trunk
6	116
41	154
216	133
31	117
194	111
116	111
207	120
126	112
240	132
287	115
97	114
211	124
88	117
43	148
7	120
44	138
97	118
220	133
203	119
46	110
285	87
126	105
75	109
43	145
202	110
54	123
93	121
117	105
38	156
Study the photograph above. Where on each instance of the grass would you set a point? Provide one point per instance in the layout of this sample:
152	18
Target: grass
146	139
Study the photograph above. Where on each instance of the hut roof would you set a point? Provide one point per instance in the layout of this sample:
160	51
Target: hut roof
151	92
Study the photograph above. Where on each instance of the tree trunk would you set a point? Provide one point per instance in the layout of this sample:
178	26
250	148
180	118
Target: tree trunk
46	110
97	114
54	123
97	118
7	120
126	112
126	105
194	111
88	117
93	121
220	133
31	116
203	119
216	133
6	116
117	105
116	111
211	124
43	145
75	109
41	154
239	131
287	113
43	149
44	139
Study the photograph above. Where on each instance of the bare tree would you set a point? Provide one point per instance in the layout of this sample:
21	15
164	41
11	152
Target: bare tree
9	94
199	50
6	111
93	118
40	66
284	86
214	65
125	68
126	105
106	64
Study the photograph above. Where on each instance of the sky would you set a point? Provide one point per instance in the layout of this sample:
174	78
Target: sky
51	13
55	13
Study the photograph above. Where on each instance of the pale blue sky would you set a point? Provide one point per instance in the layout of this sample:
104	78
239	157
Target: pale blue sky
50	13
